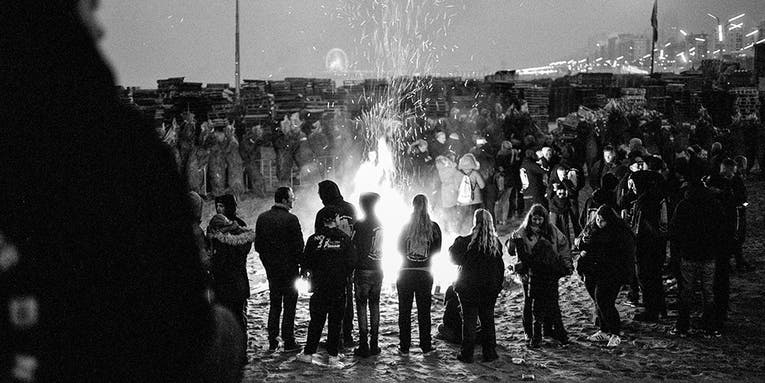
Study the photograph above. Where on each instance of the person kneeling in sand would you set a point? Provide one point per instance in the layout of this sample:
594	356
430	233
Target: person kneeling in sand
329	259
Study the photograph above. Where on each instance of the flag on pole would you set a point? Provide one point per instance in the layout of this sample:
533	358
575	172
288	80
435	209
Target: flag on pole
655	21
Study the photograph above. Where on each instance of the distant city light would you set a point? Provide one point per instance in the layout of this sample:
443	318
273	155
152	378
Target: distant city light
735	26
719	32
667	44
683	32
700	39
619	58
752	33
732	19
761	41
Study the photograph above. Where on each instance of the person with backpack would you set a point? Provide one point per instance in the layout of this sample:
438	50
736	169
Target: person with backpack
607	251
481	273
419	240
469	196
543	257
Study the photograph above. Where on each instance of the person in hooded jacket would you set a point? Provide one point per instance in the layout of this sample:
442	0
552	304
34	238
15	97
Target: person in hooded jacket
279	241
533	178
330	196
604	195
469	166
543	258
230	241
368	275
419	241
607	253
329	259
479	281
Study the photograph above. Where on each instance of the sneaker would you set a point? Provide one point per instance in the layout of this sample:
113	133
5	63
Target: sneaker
292	347
427	349
403	351
374	350
273	345
614	341
334	362
304	358
599	336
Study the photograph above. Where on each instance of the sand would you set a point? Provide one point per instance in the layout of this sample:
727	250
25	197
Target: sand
647	351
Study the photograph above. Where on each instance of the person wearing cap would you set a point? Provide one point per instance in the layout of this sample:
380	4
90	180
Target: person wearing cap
328	260
279	242
368	276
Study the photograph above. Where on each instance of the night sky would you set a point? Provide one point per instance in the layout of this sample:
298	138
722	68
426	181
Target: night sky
150	39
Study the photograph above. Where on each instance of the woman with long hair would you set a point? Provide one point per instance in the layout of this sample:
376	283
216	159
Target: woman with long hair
481	272
605	263
419	240
543	258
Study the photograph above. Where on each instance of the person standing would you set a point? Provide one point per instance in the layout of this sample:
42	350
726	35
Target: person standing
330	196
419	240
481	273
696	240
533	179
607	251
279	241
328	261
368	276
543	258
231	242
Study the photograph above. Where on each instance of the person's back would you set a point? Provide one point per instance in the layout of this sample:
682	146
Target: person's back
330	258
694	229
279	241
479	274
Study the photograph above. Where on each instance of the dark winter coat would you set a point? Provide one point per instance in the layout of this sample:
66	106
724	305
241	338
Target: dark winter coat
279	241
695	232
536	178
542	260
230	243
610	253
480	275
329	257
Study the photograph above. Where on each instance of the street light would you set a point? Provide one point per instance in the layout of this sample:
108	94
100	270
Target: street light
719	27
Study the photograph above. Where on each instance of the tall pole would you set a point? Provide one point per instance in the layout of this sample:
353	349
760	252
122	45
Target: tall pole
653	52
236	55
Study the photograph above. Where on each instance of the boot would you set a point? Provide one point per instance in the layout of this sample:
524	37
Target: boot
363	349
374	348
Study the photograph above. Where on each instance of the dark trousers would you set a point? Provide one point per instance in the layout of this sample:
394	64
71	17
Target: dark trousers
348	313
604	294
721	290
702	272
237	308
482	310
414	284
649	272
541	309
282	297
368	284
322	306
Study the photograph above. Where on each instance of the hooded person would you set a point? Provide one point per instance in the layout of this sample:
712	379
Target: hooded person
101	279
469	196
368	277
230	243
331	197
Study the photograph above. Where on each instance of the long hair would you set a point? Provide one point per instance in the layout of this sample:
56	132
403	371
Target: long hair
419	230
545	229
609	215
484	235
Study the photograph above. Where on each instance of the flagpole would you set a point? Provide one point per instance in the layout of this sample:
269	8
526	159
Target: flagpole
655	27
236	55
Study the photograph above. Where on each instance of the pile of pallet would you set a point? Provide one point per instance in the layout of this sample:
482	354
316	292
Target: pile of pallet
256	102
747	99
634	97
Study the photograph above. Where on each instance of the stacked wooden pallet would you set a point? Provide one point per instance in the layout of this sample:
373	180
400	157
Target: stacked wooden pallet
747	99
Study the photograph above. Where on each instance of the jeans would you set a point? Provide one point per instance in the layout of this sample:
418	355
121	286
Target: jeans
650	260
703	272
484	311
604	294
282	297
368	284
322	306
414	284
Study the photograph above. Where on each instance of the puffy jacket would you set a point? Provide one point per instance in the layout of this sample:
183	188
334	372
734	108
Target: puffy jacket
694	230
610	253
480	274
